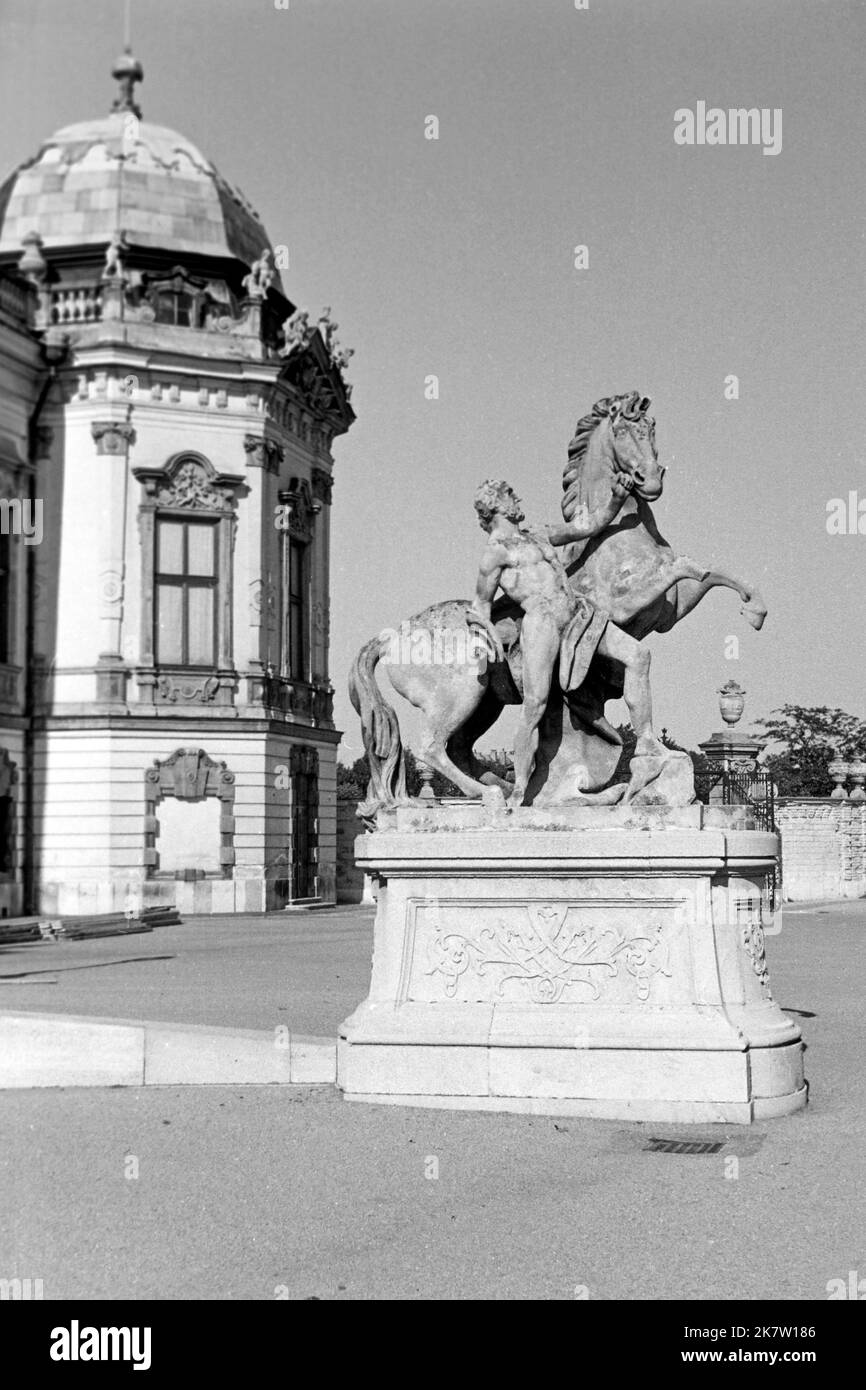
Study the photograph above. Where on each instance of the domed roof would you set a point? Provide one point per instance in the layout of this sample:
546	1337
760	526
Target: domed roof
120	172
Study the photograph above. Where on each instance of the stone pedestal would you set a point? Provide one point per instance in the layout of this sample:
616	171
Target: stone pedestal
602	962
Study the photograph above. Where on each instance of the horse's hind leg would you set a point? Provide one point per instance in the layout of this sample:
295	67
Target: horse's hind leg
462	742
458	703
433	752
448	694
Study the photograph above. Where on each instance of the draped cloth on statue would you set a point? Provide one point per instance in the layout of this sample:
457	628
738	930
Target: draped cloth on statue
579	641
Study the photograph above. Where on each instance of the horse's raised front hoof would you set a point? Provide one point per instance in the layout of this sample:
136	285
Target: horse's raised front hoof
755	613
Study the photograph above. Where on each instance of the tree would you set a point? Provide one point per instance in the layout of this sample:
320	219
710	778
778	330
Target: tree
807	739
352	780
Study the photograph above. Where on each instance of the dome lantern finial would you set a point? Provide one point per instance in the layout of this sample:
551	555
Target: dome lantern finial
127	71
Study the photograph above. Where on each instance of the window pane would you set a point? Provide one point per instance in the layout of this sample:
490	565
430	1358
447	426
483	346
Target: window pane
170	557
296	652
169	624
200	549
165	308
200	620
296	569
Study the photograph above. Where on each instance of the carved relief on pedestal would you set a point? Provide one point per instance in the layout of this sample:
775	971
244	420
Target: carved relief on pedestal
540	953
752	935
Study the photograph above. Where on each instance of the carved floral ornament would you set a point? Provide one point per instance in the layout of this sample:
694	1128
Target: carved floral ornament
299	508
263	453
263	602
322	485
189	481
542	954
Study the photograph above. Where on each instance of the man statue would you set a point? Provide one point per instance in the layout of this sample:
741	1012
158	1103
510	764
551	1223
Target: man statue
558	624
114	256
260	278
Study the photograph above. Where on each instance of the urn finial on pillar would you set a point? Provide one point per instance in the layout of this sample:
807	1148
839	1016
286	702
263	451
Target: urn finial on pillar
732	751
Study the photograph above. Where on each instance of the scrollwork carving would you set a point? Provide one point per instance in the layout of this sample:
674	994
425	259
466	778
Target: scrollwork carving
541	955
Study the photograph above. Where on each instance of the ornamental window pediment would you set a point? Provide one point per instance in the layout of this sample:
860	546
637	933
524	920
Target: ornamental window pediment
189	482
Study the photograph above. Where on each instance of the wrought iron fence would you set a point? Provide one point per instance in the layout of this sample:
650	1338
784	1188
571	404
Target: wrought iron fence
728	787
754	790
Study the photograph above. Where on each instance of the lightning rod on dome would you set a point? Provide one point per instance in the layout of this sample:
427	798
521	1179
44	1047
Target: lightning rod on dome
127	70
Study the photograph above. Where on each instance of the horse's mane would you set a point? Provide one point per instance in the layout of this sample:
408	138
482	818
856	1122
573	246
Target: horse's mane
632	405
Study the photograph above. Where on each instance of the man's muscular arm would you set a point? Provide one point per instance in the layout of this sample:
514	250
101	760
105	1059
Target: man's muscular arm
492	565
587	523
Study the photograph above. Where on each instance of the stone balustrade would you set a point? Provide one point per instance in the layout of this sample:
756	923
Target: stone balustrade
76	304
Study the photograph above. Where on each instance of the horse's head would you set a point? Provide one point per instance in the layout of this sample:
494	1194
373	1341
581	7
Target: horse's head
633	439
617	436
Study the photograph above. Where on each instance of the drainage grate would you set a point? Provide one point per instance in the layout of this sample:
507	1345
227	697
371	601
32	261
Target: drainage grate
684	1146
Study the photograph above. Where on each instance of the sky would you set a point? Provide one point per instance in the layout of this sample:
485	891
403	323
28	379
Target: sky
454	257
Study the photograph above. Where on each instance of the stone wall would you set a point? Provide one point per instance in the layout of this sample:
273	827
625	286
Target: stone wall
823	848
352	886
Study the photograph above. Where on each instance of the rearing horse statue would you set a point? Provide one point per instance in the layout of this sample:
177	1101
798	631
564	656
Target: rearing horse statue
617	561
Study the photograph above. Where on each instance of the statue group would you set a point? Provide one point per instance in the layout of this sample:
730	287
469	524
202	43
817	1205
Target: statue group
562	611
591	946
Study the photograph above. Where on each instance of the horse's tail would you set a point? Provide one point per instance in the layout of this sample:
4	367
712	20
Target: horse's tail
380	731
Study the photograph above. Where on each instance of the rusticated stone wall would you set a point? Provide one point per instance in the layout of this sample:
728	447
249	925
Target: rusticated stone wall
823	848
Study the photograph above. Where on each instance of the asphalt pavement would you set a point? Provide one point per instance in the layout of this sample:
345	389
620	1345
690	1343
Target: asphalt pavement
307	969
271	1192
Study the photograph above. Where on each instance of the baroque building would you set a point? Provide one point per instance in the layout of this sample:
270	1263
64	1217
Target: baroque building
166	424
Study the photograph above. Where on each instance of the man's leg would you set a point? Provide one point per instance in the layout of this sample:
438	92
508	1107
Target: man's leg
636	692
539	639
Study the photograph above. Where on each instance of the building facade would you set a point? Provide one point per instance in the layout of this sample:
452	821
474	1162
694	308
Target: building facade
166	425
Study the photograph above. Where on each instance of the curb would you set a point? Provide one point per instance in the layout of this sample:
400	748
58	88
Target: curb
65	1050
